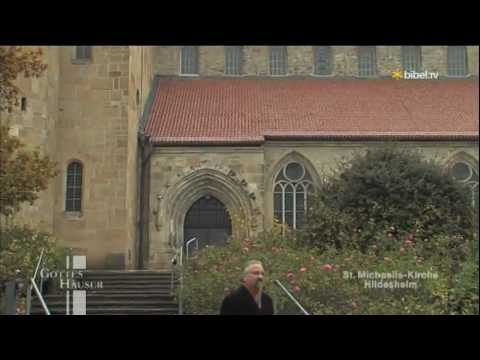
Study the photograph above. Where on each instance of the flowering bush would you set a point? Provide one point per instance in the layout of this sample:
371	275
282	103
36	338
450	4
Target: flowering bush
328	281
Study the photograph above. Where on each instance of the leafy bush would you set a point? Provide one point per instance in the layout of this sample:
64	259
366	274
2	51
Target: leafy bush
392	190
320	279
464	294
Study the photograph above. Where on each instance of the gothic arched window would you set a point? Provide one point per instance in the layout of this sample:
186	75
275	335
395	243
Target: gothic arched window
292	188
73	198
278	60
323	60
457	61
367	61
466	174
412	58
189	60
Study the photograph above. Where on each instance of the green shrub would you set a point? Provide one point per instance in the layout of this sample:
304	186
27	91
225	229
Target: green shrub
464	294
320	279
388	188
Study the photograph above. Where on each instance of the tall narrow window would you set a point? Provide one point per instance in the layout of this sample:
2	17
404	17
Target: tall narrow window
323	60
367	61
292	187
412	58
278	60
83	53
233	60
73	198
457	61
189	60
23	104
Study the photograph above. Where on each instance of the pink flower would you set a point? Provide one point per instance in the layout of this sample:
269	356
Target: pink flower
327	267
296	289
290	275
303	269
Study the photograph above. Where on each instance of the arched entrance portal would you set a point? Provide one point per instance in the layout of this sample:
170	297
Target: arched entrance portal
207	220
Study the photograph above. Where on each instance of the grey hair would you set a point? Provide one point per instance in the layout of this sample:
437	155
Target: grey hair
249	264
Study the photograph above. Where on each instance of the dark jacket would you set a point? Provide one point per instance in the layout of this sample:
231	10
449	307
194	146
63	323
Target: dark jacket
241	302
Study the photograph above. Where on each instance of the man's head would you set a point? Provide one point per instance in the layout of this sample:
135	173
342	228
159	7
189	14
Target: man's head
253	275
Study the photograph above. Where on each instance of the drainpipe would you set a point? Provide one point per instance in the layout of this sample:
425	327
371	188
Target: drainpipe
145	153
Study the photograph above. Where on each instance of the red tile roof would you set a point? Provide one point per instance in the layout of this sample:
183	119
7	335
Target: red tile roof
232	111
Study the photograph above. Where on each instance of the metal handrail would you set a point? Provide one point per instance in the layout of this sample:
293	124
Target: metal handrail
179	255
295	301
40	297
187	244
38	264
33	285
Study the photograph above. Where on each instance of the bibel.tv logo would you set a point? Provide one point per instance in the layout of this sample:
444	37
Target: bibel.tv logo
73	281
414	75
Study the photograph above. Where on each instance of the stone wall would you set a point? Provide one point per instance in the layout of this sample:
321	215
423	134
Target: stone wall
301	58
36	128
173	169
180	175
140	80
93	128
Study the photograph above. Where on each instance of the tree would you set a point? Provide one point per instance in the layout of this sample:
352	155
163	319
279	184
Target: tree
22	173
15	60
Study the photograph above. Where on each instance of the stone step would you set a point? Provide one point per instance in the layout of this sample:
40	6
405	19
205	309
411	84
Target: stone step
137	288
129	281
105	274
127	274
114	295
118	311
131	292
106	304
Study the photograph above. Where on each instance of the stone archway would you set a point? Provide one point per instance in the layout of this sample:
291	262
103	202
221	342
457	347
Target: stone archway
199	184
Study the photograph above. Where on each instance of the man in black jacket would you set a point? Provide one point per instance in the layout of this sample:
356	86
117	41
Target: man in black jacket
249	299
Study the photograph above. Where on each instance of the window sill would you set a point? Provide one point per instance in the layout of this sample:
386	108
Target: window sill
322	76
73	215
81	61
458	76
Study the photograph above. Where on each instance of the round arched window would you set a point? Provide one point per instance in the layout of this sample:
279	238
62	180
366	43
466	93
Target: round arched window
294	171
461	171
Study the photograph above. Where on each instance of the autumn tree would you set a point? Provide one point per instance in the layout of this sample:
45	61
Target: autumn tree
15	61
23	173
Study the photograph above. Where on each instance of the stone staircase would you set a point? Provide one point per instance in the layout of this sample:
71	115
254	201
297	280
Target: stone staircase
136	292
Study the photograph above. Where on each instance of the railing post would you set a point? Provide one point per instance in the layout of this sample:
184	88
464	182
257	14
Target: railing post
29	299
11	297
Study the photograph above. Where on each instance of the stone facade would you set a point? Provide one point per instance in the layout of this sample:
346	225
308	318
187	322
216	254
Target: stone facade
90	111
211	60
242	178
